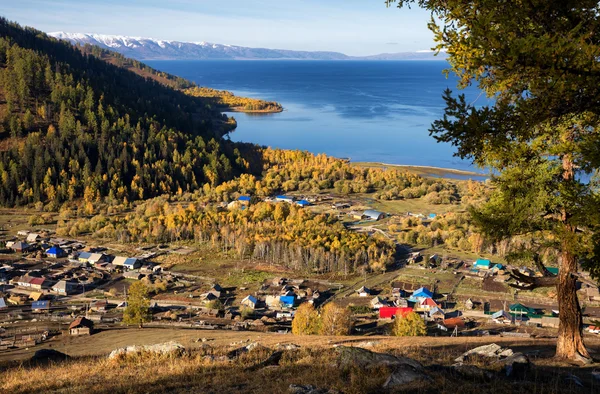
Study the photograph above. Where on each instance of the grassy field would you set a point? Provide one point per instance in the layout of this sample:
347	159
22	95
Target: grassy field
203	367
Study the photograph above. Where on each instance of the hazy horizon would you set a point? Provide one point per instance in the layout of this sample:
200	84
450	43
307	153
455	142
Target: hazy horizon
350	27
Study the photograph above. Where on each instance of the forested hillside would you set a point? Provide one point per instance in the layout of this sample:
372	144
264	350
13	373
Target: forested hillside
73	125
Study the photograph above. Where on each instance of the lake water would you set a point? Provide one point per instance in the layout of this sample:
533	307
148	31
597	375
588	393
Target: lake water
365	111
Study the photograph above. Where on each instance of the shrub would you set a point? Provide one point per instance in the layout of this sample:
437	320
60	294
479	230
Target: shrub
335	320
306	320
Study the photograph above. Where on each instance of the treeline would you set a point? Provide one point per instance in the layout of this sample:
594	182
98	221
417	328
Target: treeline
287	170
279	233
224	99
140	68
73	126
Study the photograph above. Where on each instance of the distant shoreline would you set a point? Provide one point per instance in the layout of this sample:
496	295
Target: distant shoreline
432	169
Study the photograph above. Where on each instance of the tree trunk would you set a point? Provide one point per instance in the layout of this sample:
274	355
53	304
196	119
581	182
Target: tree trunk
569	345
570	339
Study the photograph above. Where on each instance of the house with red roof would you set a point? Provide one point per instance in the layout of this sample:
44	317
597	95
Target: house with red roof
428	304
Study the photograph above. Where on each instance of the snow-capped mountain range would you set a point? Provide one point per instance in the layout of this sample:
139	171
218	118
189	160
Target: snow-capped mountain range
150	49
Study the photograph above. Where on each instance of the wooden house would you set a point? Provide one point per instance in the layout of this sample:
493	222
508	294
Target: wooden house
81	326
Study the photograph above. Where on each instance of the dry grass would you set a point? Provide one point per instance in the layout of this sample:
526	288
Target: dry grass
203	369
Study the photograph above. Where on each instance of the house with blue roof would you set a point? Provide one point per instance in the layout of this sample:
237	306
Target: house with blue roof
244	199
482	264
56	252
303	203
2	303
287	199
432	216
287	301
40	306
250	302
420	294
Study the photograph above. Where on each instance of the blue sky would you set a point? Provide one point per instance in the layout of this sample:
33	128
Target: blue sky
355	27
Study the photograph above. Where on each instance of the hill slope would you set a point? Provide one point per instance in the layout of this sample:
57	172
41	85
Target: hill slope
73	125
148	48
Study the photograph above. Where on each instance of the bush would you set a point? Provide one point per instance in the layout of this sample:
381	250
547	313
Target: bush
410	325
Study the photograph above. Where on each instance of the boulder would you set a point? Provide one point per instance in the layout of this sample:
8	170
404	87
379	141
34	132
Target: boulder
404	369
44	356
491	351
516	366
287	346
159	348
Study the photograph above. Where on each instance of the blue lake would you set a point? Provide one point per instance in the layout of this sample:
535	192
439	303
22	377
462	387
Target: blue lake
362	110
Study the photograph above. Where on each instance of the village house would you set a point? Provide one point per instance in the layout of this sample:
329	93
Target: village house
56	252
303	203
469	304
37	283
20	246
91	258
390	312
436	314
428	304
502	317
245	200
36	295
2	304
340	205
401	302
81	326
33	237
482	264
135	275
374	215
454	323
40	306
289	200
420	294
22	281
287	301
521	311
99	306
378	302
249	302
364	291
23	233
63	287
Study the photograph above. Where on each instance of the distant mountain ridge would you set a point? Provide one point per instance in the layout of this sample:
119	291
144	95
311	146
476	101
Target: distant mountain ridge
150	49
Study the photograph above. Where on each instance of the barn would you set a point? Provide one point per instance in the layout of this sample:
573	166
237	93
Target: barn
389	312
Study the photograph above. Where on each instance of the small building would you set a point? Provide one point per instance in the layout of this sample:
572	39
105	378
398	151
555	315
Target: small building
552	270
99	306
469	304
389	312
208	297
2	303
482	264
454	323
33	237
502	317
287	301
134	275
40	306
20	246
420	294
55	252
91	258
303	203
289	200
245	200
427	304
521	310
364	292
132	263
37	283
36	295
22	233
249	302
63	287
81	326
401	302
372	214
378	302
432	216
436	313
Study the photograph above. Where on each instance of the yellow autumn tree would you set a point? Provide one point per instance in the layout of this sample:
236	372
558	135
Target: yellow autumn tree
409	325
335	320
306	320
